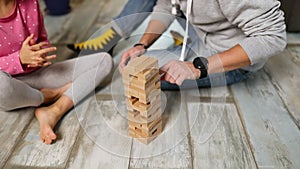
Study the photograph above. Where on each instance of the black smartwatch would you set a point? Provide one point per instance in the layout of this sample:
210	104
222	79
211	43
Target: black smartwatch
140	44
201	63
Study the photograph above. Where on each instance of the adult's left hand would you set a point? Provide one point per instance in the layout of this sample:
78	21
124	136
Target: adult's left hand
177	71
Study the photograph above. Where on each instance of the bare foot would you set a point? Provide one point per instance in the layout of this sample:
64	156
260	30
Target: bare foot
51	95
47	117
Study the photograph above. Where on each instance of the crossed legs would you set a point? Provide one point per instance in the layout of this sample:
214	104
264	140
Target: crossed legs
54	90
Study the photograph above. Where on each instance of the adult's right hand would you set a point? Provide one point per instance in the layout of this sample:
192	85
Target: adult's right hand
34	55
129	55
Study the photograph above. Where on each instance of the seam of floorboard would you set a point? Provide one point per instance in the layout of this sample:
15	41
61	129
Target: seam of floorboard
276	86
243	126
19	139
189	137
77	140
130	155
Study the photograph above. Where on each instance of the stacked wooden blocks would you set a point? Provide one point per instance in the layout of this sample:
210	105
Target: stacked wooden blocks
143	98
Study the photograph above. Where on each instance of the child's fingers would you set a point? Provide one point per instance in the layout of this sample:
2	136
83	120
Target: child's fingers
33	64
38	59
40	64
46	64
32	42
28	39
38	46
46	50
49	57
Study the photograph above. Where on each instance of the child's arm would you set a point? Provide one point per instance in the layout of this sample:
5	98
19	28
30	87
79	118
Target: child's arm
11	64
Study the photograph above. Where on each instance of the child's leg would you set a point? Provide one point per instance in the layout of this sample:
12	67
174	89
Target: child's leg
85	73
17	94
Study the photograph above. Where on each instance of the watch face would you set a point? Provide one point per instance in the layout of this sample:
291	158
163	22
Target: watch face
204	62
200	63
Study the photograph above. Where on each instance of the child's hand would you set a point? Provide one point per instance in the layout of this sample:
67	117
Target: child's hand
33	55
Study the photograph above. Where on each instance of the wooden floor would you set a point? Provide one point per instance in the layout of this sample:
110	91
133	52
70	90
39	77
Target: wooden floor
253	124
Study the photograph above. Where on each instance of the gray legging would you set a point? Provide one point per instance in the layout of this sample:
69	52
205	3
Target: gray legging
85	72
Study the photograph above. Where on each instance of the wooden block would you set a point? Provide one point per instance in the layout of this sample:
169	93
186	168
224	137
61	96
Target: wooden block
147	115
143	62
144	134
149	73
146	127
154	109
137	117
142	88
147	140
157	85
144	108
154	94
147	62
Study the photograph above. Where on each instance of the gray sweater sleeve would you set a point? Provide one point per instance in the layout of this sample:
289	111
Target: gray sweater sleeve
162	12
263	24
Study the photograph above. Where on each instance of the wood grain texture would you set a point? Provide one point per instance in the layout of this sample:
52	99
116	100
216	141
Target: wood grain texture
284	72
103	142
218	138
31	152
272	133
171	148
13	124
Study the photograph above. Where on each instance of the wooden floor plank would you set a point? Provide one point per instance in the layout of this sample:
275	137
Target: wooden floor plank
103	141
13	124
31	152
284	71
171	148
272	133
218	137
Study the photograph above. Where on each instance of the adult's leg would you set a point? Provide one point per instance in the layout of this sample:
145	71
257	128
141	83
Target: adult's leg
133	14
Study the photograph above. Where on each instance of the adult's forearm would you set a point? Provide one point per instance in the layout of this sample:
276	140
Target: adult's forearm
231	59
153	32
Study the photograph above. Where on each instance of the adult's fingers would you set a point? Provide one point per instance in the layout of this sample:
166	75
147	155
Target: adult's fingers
180	80
123	61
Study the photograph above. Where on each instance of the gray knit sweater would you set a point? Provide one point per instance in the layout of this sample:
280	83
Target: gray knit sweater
257	25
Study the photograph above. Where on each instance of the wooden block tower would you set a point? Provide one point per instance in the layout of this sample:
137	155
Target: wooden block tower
143	98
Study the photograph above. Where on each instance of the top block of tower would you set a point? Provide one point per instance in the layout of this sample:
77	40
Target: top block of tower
141	78
140	66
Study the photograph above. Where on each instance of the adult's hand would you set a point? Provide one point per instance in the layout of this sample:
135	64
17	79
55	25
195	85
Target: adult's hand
130	54
177	71
34	55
